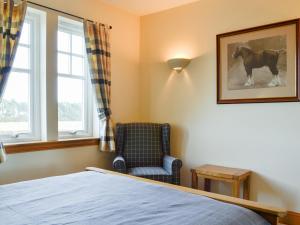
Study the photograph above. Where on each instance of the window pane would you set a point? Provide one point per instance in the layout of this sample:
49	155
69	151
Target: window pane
77	66
70	104
63	63
77	45
15	105
73	110
64	41
25	35
22	59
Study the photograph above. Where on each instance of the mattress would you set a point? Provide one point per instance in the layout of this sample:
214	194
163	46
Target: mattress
93	198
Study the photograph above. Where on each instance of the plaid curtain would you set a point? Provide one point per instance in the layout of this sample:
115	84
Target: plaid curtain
97	39
11	21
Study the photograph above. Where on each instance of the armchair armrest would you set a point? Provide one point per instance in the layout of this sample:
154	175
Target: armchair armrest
119	164
172	165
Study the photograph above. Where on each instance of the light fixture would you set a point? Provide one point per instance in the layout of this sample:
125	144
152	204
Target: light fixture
178	63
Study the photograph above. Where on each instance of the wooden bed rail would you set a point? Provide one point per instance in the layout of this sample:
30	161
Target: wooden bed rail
271	214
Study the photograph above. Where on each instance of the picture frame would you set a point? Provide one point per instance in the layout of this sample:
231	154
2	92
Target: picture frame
259	64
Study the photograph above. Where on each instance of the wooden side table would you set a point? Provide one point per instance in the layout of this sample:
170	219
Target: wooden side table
232	175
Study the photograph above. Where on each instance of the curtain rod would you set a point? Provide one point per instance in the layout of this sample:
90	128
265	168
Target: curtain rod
59	11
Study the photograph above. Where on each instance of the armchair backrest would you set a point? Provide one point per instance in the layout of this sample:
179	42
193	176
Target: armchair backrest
143	144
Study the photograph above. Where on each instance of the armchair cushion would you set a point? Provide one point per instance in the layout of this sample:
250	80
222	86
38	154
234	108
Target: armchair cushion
142	145
154	173
119	164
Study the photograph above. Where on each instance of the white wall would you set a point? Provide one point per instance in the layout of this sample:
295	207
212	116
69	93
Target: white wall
260	137
125	95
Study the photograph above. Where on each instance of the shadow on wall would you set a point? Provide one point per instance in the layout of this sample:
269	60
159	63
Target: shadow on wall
261	185
192	84
178	92
201	76
261	188
179	140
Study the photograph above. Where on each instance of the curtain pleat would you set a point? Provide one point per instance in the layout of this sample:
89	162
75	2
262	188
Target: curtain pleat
11	21
97	38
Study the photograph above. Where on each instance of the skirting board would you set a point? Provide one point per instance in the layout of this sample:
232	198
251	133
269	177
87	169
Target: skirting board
292	218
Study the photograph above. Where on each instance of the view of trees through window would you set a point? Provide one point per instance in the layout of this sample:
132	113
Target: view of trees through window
12	111
15	111
69	111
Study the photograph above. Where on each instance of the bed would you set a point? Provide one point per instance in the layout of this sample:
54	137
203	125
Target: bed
96	197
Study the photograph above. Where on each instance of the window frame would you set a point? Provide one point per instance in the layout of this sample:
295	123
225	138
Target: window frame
44	86
73	27
34	134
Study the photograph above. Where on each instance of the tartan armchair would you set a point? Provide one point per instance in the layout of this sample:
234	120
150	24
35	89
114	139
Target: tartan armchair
143	150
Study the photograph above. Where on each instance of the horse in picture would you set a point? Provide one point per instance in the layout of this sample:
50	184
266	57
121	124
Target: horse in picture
252	60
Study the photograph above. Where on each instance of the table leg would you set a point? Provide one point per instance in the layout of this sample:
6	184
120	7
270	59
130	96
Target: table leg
246	188
207	184
194	179
236	189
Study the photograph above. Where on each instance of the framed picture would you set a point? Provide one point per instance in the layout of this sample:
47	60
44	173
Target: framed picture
259	64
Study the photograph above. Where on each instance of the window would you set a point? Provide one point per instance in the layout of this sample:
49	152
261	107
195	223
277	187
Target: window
19	108
74	89
29	110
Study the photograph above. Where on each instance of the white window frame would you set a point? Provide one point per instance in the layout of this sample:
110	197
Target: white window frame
33	19
74	27
44	86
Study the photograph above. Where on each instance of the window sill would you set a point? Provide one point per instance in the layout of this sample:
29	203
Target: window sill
49	145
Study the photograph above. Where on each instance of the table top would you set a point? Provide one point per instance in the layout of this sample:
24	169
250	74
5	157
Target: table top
222	172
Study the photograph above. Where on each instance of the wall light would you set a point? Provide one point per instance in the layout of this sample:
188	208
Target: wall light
178	63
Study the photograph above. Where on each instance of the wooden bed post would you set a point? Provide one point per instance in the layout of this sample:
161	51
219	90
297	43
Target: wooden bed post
272	219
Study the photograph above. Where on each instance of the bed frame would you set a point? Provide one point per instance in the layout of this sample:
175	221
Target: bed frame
271	214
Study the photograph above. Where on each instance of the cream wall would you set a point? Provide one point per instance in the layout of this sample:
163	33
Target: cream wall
260	137
27	166
125	95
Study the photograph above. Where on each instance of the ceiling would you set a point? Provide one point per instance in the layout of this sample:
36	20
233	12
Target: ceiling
144	7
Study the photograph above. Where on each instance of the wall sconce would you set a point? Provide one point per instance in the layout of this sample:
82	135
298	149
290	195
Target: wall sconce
178	63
